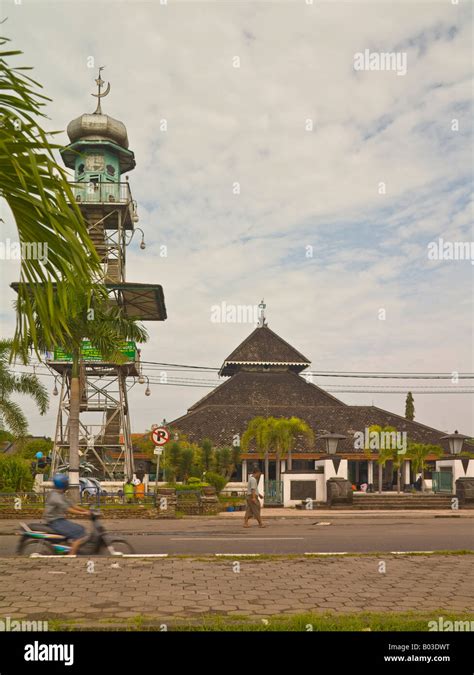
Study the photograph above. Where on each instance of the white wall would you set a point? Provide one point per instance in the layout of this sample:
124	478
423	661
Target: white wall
329	472
318	478
457	468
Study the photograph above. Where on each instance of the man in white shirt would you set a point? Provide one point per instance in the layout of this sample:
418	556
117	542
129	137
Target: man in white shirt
253	502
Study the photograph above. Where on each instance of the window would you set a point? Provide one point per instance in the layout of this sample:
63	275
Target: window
110	170
80	169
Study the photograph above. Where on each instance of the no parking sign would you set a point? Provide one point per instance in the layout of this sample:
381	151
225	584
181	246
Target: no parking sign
160	436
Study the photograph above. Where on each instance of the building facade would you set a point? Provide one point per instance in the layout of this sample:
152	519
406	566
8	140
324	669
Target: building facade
266	378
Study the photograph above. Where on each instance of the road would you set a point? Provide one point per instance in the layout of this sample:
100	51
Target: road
286	535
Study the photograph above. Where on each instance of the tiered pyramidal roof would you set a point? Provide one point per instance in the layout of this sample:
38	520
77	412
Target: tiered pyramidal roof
264	380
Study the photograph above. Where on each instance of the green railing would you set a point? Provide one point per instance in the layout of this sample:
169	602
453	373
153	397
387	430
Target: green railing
273	492
442	481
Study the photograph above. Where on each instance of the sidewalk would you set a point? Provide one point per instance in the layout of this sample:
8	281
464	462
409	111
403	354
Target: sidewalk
352	513
174	588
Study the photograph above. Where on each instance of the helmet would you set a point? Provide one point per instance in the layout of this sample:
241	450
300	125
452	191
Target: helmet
61	481
39	455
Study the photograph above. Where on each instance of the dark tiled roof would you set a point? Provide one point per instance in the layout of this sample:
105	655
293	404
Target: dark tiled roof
263	346
266	389
221	422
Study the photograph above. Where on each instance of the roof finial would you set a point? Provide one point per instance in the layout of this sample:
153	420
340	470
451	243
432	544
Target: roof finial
100	83
261	320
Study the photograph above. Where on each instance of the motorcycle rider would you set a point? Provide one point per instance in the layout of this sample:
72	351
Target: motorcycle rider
57	506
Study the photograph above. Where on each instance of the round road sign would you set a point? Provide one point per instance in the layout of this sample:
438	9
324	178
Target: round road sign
160	436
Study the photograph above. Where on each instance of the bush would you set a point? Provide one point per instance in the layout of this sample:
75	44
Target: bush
188	487
15	474
193	479
216	480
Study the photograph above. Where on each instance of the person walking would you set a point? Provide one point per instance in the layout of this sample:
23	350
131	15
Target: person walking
253	498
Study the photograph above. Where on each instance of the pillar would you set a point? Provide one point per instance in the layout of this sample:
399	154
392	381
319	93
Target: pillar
370	474
244	471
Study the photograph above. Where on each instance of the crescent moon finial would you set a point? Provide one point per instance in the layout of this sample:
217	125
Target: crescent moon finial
100	94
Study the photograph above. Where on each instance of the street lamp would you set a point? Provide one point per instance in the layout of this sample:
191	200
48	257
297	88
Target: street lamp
455	442
139	229
147	390
332	441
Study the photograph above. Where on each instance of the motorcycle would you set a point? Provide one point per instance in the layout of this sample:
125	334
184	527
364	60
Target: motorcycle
39	539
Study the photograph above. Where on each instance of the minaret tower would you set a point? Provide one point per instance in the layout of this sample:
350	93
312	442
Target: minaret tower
99	155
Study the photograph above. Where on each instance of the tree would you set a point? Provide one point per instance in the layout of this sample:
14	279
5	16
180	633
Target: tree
236	459
206	454
31	447
89	316
385	454
186	463
278	433
15	474
418	453
41	201
286	432
12	383
223	461
172	461
258	430
410	407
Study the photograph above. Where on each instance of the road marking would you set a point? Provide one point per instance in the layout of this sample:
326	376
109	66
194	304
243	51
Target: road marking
142	555
58	556
326	553
238	555
233	538
409	552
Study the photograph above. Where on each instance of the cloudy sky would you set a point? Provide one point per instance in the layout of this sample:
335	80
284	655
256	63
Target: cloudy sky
366	167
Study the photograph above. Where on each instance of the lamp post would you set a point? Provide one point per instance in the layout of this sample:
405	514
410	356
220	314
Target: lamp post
332	441
455	442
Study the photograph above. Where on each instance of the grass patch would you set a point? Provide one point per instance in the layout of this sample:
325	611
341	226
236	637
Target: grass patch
305	622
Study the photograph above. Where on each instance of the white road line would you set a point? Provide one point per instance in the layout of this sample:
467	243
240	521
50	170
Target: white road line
409	552
238	555
234	539
333	553
144	555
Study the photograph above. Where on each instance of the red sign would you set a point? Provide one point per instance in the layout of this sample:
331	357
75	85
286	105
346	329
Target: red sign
160	436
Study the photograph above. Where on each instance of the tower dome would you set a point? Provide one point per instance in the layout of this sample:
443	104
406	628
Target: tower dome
98	149
97	127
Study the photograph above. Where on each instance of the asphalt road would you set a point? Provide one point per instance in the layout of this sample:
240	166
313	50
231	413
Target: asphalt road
287	535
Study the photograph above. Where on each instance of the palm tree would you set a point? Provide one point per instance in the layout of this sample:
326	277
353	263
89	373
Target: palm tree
385	454
91	317
258	430
11	383
418	453
35	188
288	429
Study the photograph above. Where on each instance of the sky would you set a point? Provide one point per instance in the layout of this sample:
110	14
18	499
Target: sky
269	167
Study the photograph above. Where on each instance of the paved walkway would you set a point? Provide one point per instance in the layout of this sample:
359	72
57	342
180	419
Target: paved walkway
171	588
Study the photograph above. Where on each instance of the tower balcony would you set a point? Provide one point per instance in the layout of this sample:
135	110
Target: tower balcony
106	200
